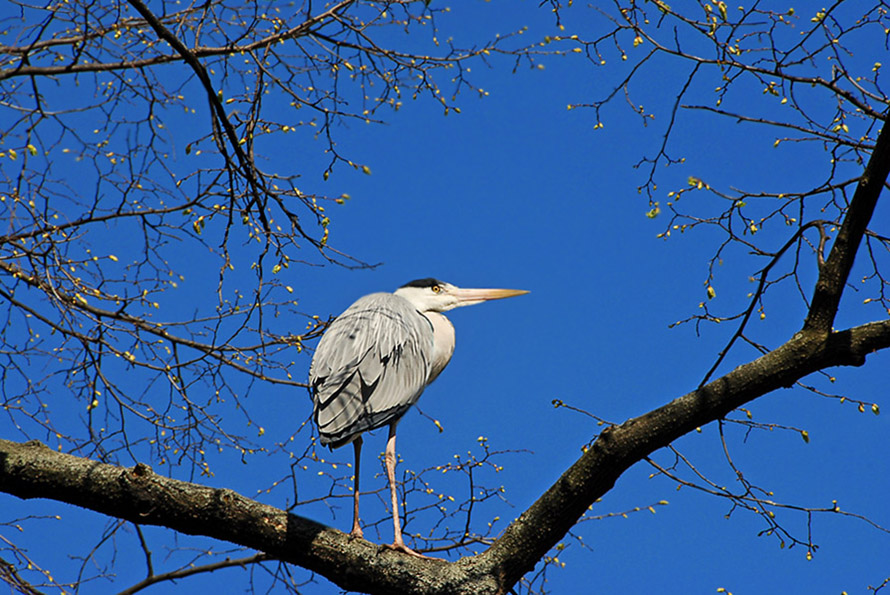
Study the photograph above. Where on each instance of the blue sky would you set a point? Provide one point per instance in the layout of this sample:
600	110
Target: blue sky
517	191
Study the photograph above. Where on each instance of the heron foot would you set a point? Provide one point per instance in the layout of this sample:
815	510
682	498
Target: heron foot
401	547
357	532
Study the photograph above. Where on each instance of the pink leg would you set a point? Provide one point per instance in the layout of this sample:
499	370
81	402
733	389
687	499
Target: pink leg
356	528
390	456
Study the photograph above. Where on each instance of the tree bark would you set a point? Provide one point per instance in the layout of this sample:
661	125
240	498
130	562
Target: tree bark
32	470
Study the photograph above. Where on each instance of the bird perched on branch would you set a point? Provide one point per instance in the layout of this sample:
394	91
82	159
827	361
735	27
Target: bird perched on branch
375	360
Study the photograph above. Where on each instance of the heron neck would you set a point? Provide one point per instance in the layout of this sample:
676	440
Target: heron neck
443	343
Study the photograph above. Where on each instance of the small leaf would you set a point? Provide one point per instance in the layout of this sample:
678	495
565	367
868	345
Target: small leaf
805	435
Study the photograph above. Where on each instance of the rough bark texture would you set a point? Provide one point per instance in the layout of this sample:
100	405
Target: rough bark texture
834	273
32	470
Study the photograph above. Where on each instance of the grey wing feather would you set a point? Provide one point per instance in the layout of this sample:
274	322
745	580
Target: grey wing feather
370	366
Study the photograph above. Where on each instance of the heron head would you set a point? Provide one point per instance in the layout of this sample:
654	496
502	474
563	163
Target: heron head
433	295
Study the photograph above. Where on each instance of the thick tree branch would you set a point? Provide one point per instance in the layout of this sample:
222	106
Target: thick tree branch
32	470
834	273
538	529
137	494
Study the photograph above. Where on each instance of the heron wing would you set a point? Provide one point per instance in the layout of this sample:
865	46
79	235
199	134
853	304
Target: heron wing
370	366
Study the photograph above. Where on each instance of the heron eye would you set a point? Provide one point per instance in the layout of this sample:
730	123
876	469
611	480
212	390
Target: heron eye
436	289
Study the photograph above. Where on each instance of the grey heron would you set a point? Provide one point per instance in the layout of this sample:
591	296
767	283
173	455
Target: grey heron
374	361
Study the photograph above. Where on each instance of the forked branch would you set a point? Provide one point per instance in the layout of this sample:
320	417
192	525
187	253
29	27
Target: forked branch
32	470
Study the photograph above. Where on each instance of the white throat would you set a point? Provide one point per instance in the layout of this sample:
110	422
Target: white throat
443	343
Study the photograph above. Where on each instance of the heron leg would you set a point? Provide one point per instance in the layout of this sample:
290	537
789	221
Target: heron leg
356	527
390	457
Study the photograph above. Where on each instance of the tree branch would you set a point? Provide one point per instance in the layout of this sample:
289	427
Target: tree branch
137	494
9	575
538	529
25	69
32	470
834	273
154	579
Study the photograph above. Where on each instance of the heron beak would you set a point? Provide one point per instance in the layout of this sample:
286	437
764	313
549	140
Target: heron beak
469	297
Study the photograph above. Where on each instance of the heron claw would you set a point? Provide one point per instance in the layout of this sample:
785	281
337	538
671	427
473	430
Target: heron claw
401	547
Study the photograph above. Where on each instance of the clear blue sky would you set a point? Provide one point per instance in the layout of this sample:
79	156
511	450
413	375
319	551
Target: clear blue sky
517	191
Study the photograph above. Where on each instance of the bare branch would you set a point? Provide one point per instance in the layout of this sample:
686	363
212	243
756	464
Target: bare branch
173	575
